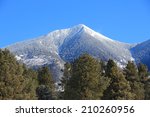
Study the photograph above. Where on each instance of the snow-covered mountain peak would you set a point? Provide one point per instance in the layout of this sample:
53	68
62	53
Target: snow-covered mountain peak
65	45
80	26
60	35
85	29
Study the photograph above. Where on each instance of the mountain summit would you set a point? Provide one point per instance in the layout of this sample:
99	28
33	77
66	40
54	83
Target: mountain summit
60	46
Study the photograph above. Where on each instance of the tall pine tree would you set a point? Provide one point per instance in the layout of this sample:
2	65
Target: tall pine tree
131	71
119	88
142	72
46	90
85	81
13	84
137	87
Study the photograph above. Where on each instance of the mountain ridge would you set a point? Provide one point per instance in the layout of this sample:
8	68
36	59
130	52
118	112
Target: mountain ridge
65	45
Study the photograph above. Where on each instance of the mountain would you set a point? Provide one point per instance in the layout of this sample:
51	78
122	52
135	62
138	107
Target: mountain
60	46
141	53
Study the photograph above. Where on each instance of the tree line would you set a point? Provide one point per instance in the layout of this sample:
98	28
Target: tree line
86	78
17	82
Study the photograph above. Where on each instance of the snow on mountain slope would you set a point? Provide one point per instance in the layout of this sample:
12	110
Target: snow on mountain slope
60	46
141	53
95	44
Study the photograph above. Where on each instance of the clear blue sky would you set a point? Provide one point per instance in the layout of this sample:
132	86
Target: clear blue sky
122	20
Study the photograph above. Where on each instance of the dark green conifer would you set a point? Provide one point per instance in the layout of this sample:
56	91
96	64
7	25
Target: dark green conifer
143	72
137	87
46	84
31	82
44	93
131	71
147	89
85	81
119	88
13	84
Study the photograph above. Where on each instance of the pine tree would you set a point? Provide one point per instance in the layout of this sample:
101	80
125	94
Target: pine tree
143	72
46	84
119	88
85	80
137	87
45	77
147	90
111	68
12	82
31	82
131	72
44	92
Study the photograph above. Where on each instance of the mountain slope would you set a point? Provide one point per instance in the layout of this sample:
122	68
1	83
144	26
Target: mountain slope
60	46
141	53
95	44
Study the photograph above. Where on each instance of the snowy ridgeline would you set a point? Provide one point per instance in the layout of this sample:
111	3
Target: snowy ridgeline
60	46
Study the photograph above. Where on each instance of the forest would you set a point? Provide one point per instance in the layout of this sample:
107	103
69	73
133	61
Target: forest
86	78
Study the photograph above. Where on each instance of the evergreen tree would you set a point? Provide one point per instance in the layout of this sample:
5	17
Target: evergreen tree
137	87
119	88
44	93
45	77
147	89
85	80
46	84
111	68
13	85
131	72
31	82
143	72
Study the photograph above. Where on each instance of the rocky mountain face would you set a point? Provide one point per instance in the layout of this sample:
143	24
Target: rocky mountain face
60	46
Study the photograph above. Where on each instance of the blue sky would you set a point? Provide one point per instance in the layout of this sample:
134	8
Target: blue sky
122	20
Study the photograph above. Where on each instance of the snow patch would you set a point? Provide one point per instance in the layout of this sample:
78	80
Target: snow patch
18	57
